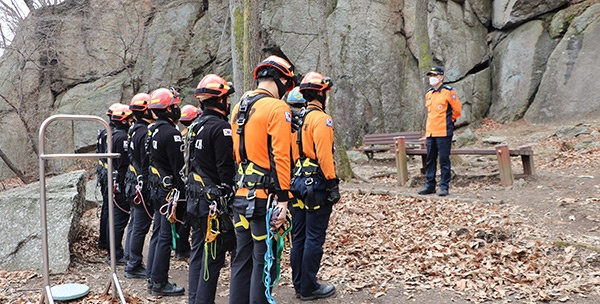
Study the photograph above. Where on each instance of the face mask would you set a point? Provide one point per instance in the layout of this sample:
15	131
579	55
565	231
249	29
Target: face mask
175	114
433	81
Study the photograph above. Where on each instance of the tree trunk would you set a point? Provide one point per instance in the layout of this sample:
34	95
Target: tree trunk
236	14
246	43
344	170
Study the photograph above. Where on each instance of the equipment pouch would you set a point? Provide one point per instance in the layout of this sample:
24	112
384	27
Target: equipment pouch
154	181
194	194
130	184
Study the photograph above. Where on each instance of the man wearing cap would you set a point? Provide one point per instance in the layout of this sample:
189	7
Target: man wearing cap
443	109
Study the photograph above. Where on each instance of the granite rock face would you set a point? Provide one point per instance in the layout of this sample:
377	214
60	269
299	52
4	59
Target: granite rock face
508	60
21	244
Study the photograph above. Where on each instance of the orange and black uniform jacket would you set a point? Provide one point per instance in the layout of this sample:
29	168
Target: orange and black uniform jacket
443	109
267	135
317	140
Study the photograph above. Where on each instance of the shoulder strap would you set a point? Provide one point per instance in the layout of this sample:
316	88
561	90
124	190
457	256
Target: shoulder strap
243	115
299	139
134	162
101	141
148	144
193	130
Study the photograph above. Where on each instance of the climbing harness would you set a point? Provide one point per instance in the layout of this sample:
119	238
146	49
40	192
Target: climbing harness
275	238
307	176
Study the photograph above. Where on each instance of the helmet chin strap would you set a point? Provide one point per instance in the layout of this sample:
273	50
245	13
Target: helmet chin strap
281	88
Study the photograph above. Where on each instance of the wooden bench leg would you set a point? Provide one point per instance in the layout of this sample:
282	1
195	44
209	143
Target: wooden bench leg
423	164
503	155
528	168
401	163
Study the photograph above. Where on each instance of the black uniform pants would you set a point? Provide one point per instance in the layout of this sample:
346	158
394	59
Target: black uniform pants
247	268
121	217
103	231
159	253
308	236
203	286
141	225
183	230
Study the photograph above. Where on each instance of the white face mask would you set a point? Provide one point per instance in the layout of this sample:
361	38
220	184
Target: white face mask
433	81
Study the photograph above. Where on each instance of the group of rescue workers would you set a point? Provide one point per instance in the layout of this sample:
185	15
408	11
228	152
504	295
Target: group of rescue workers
243	186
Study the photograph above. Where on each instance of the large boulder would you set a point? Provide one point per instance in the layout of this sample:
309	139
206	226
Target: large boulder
21	243
517	69
474	92
564	93
508	13
450	23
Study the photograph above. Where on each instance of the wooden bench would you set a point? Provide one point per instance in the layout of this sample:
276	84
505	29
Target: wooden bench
502	152
374	143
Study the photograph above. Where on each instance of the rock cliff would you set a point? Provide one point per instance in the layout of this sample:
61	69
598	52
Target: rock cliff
508	59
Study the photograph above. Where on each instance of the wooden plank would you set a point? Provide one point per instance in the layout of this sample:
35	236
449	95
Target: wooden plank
503	155
401	163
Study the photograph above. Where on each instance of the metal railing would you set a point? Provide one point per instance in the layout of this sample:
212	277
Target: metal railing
113	279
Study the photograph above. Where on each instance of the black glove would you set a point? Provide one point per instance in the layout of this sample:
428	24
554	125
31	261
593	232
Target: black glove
296	120
228	192
333	190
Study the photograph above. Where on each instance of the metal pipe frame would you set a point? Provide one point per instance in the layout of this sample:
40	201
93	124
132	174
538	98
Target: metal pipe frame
47	293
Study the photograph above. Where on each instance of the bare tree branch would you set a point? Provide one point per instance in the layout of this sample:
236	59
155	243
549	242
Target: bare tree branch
12	167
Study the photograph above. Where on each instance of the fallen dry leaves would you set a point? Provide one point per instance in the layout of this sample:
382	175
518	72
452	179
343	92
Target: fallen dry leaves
378	242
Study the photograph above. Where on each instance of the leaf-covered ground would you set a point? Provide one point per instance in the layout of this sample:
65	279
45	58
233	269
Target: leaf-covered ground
536	241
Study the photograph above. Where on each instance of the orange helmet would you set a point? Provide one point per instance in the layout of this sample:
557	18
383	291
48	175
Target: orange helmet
212	86
140	102
121	113
163	98
112	107
189	113
274	63
316	81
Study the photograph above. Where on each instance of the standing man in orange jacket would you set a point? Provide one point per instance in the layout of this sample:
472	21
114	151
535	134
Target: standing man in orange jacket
316	186
261	129
443	109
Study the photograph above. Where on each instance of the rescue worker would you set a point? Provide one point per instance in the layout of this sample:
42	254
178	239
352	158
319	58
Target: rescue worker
121	118
443	109
164	145
297	104
136	186
188	114
316	186
210	187
261	143
101	177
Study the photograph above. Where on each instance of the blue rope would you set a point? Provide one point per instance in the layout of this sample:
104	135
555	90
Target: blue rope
269	258
273	255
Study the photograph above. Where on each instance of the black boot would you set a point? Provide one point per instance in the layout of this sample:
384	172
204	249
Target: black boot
167	289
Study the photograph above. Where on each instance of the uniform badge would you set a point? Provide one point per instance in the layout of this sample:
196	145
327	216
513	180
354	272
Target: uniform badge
329	122
177	138
227	132
453	96
288	116
440	107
